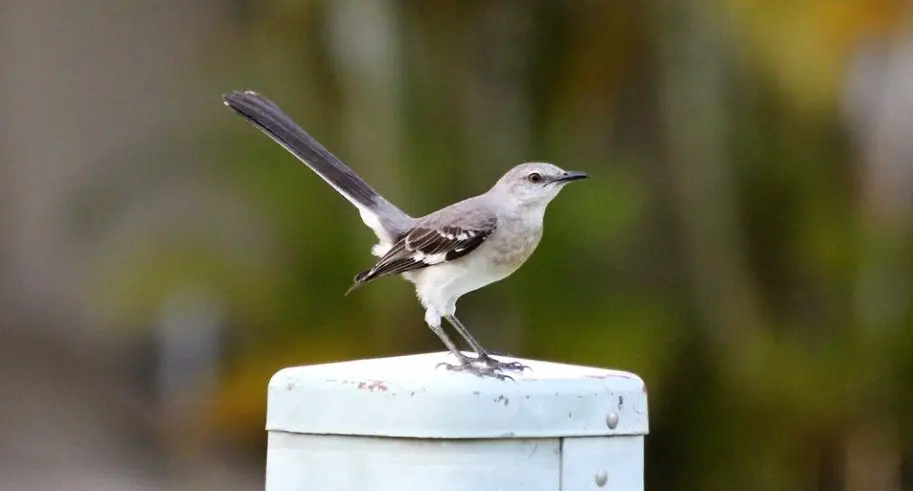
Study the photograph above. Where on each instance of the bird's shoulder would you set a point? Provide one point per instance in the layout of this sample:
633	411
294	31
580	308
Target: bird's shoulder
470	214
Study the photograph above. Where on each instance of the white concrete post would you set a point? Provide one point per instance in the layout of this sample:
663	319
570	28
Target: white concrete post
400	424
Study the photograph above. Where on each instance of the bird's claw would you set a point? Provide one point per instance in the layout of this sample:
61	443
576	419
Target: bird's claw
510	366
483	371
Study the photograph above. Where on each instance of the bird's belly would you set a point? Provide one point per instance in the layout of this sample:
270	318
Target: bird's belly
443	284
482	274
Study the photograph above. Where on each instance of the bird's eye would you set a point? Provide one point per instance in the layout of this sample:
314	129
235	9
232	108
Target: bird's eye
534	177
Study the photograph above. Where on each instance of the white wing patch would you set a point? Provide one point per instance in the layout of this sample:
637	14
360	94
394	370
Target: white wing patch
429	259
463	235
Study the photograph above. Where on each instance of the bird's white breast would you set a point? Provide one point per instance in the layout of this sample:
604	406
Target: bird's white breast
440	286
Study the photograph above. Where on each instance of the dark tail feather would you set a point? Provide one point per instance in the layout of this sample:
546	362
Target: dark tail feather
269	118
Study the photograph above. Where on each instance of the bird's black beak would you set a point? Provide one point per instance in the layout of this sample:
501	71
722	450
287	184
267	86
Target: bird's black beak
571	175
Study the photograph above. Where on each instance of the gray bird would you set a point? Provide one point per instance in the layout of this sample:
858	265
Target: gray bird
445	254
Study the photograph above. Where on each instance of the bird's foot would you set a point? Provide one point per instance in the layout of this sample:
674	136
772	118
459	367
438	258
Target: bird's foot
479	371
510	366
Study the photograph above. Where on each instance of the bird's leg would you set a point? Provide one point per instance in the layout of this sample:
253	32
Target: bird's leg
439	332
483	355
465	363
464	333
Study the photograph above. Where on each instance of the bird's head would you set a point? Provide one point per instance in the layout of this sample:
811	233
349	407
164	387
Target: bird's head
536	183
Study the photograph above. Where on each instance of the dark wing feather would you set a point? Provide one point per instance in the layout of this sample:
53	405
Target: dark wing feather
425	246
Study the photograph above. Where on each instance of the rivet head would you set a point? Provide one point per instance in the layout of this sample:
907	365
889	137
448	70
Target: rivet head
601	478
611	420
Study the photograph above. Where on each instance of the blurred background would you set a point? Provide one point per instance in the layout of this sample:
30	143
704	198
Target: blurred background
744	244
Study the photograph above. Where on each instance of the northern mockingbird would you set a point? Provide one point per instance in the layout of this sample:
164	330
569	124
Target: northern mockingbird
445	254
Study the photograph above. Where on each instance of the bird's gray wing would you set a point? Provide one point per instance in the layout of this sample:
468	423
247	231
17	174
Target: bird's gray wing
432	242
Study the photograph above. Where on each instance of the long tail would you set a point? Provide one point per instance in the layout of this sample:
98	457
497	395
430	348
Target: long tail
386	220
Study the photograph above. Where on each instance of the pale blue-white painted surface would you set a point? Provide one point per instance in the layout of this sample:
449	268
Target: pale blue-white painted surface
616	463
401	423
312	462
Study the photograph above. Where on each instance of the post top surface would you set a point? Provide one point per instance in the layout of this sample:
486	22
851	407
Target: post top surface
408	396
